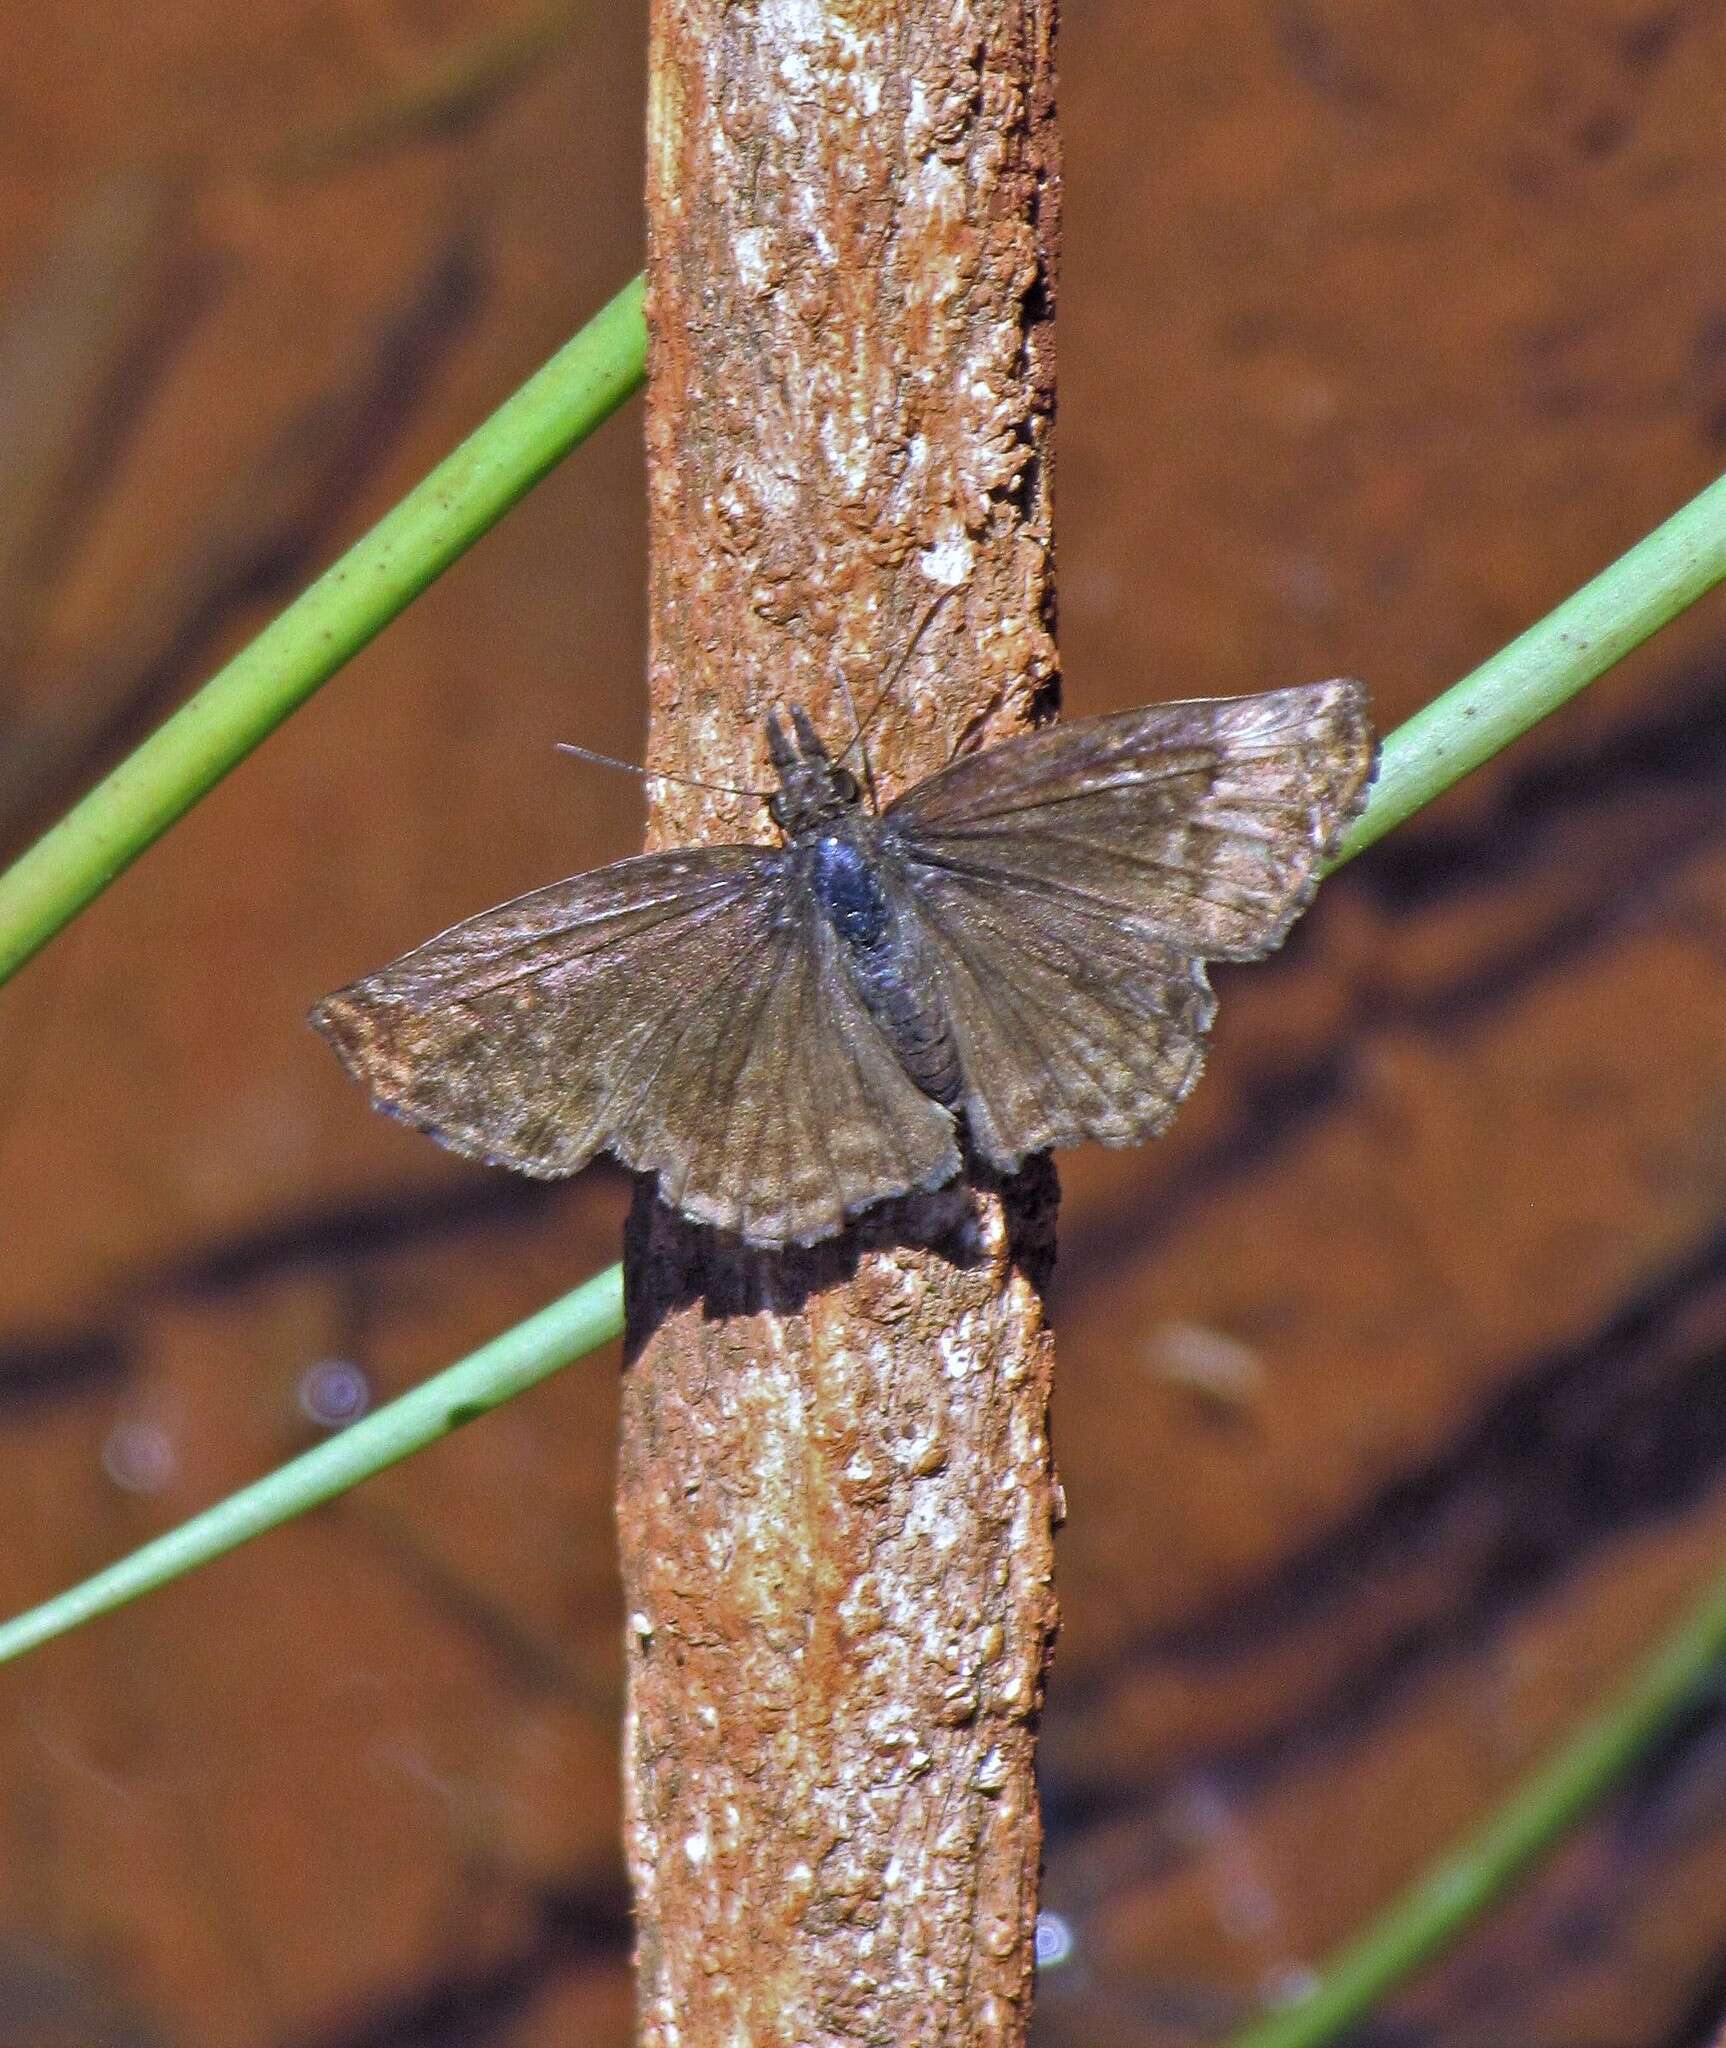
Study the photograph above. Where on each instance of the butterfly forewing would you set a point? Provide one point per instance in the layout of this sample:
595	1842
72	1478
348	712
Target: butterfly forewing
1201	825
512	1036
681	1010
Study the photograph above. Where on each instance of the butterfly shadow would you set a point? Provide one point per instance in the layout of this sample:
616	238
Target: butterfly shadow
676	1264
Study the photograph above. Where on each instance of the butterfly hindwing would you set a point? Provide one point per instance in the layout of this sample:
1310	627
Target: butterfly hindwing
781	1109
1066	1027
678	1009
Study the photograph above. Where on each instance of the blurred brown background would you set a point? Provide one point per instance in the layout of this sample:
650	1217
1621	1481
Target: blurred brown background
1390	1409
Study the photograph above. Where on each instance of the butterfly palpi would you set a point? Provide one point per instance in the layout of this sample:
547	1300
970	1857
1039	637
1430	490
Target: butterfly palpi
787	1035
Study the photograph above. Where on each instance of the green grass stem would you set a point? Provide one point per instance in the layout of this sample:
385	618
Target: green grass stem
577	1323
1680	561
1457	1889
379	576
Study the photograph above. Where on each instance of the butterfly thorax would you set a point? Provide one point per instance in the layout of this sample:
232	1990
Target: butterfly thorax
851	862
814	789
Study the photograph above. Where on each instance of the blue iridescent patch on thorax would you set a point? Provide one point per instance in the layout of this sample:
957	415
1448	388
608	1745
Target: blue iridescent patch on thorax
848	891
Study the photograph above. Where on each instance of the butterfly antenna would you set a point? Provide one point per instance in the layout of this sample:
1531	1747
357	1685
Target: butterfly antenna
656	774
857	741
887	688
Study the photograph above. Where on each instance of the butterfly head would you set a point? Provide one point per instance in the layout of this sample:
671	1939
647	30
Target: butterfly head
813	788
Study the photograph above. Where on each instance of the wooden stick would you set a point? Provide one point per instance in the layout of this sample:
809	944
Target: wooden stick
836	1495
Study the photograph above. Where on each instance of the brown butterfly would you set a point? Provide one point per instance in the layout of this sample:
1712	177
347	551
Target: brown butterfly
787	1035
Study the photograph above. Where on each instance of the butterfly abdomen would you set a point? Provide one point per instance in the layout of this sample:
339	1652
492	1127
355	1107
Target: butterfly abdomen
895	983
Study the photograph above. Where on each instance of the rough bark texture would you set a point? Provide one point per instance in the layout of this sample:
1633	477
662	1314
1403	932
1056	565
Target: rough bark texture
837	1494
